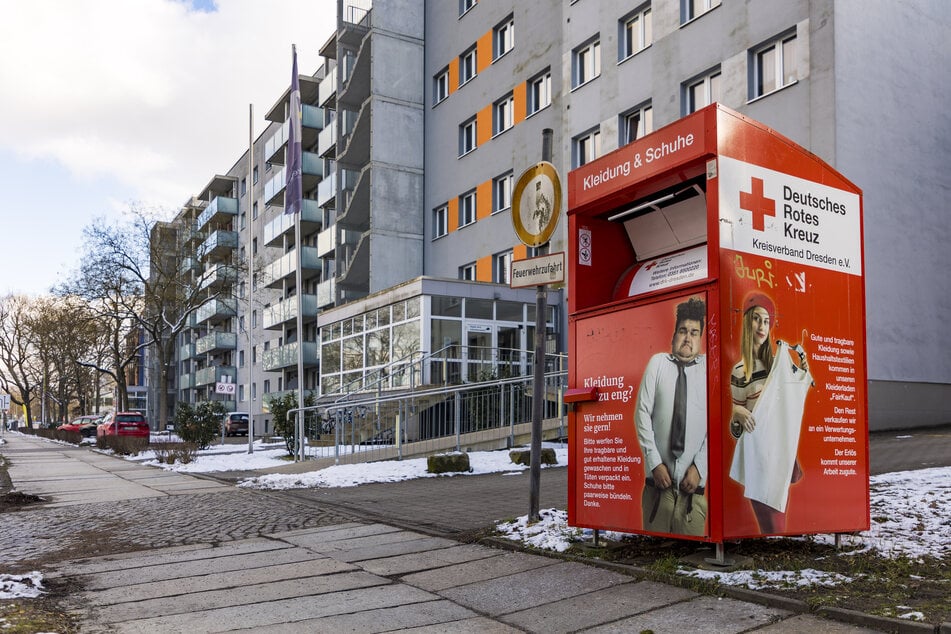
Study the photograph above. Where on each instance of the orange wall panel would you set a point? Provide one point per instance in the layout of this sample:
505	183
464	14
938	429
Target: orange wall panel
453	75
484	269
484	52
483	200
518	103
453	220
484	125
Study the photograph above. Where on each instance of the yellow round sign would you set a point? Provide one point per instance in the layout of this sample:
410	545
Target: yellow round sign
536	204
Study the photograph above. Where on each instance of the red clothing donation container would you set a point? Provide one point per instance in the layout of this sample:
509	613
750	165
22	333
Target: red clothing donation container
721	209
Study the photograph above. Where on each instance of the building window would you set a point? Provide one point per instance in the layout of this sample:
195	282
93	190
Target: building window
502	267
504	38
467	65
774	66
503	116
695	8
241	392
254	319
441	86
467	137
467	271
254	210
502	192
243	220
244	186
586	148
636	33
539	92
267	386
467	209
701	92
465	5
254	246
255	173
636	123
440	221
240	358
587	63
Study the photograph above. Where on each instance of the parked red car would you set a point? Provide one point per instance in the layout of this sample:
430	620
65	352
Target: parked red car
86	425
124	424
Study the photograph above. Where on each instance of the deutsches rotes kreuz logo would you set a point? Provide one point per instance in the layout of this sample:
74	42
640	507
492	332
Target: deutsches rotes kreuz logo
777	215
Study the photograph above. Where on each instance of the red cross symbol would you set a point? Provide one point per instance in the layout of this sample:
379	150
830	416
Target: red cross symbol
758	204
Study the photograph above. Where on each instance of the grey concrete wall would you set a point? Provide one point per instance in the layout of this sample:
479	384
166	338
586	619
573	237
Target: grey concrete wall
893	132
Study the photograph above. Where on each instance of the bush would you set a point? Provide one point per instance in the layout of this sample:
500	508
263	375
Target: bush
73	437
448	462
172	452
123	445
286	426
201	424
524	456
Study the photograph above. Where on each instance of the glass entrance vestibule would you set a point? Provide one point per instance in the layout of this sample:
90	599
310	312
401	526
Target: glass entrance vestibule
430	332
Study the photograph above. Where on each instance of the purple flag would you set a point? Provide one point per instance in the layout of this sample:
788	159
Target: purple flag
294	191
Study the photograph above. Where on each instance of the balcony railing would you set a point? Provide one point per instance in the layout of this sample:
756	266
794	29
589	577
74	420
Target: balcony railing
186	351
216	341
215	374
219	208
186	381
327	139
286	356
219	276
325	293
277	315
218	243
216	309
284	223
285	266
327	89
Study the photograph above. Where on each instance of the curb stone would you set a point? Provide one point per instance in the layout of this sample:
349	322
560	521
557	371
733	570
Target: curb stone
842	615
883	623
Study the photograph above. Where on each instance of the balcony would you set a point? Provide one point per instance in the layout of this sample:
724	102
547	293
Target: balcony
327	90
215	374
277	315
218	277
285	356
186	381
312	170
325	293
327	190
327	140
312	121
216	310
356	213
186	351
274	274
220	243
355	151
217	342
311	218
220	210
356	89
327	241
188	264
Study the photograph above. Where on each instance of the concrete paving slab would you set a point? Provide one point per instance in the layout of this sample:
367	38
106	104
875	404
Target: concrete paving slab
596	608
524	590
426	560
174	554
391	549
444	615
232	596
702	615
500	565
808	623
350	538
278	612
320	530
326	537
237	579
480	625
183	570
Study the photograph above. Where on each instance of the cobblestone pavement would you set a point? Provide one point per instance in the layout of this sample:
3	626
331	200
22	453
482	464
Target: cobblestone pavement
35	536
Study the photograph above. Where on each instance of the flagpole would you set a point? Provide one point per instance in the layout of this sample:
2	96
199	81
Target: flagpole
293	201
250	252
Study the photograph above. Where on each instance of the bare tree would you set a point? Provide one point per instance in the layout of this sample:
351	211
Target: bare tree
133	273
19	377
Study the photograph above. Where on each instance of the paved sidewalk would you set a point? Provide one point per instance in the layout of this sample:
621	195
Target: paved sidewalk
373	558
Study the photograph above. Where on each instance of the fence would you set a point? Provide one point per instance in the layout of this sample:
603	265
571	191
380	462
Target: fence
489	414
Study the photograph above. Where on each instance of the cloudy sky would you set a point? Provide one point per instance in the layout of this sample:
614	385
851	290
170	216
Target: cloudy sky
112	103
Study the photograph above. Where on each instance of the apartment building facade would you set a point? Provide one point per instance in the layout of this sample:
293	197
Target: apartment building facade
424	114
